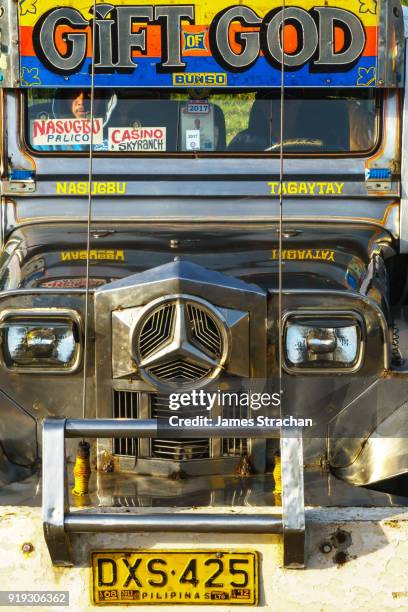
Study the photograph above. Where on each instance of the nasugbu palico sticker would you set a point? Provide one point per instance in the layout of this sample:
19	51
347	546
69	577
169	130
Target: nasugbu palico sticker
63	132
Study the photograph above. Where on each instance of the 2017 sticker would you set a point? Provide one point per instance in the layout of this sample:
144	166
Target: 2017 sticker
197	107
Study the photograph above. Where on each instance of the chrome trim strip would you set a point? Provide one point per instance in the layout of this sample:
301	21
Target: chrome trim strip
150	428
201	523
193	211
404	166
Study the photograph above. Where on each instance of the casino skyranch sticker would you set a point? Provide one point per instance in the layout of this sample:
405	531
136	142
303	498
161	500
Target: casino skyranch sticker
137	139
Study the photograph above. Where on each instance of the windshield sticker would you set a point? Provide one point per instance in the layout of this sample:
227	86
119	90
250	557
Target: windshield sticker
308	188
137	139
192	140
198	130
94	255
63	132
201	43
98	188
304	255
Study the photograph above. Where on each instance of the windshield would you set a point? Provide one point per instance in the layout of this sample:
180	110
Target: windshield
316	121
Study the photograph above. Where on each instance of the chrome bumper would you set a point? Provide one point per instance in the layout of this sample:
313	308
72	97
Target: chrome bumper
59	522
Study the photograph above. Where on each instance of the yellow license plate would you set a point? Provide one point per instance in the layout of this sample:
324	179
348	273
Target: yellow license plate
191	577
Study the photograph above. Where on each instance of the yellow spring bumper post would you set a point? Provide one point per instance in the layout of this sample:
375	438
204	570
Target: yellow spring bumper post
82	469
277	477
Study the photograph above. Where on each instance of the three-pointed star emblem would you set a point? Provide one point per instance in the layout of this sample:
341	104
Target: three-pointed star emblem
180	345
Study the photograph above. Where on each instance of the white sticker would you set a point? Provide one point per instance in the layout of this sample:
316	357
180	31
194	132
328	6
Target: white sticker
192	140
66	132
137	139
200	107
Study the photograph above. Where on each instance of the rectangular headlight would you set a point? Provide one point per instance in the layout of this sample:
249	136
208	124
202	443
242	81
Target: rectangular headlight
40	341
323	342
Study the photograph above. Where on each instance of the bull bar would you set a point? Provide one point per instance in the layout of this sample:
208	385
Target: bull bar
59	522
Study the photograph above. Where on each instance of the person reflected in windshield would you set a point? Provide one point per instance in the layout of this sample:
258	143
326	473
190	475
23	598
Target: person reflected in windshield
313	123
362	126
81	105
264	124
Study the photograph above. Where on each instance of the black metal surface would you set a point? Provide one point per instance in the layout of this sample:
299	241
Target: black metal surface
315	257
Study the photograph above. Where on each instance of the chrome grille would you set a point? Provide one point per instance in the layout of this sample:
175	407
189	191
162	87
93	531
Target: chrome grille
184	449
177	370
204	330
125	406
157	330
180	450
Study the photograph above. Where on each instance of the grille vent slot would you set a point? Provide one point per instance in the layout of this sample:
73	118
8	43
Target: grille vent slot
180	450
235	447
125	406
204	331
178	370
184	449
157	330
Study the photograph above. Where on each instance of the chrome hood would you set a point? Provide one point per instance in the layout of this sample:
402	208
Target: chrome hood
330	257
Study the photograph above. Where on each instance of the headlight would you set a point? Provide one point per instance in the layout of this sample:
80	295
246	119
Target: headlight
324	342
35	340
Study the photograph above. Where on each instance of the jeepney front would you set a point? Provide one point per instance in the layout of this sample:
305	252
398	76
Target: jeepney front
246	241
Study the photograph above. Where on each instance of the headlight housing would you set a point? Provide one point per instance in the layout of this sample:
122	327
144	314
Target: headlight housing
320	342
40	340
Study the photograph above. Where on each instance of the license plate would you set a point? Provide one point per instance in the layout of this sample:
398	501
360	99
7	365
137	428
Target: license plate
193	577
